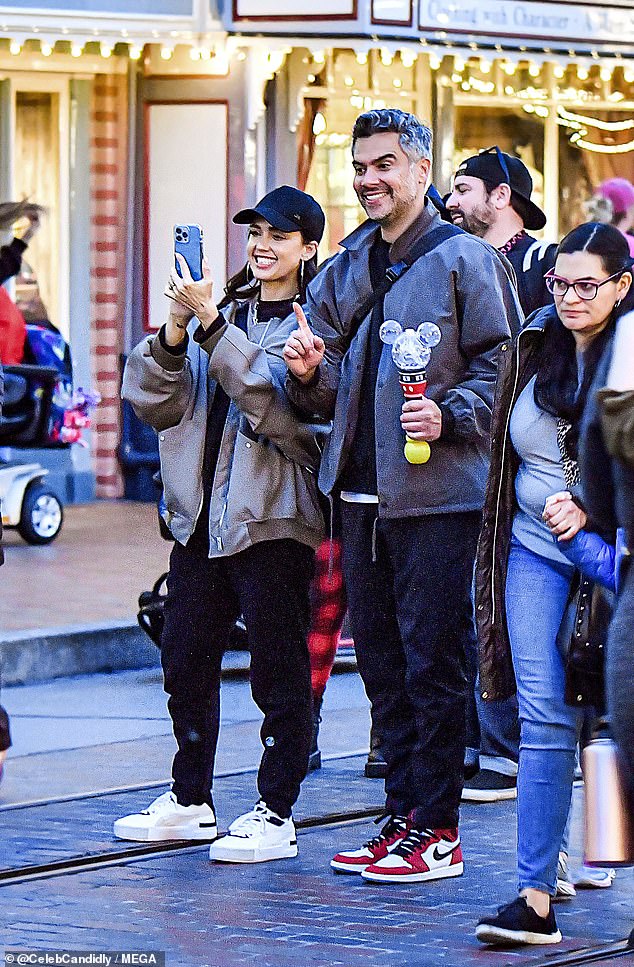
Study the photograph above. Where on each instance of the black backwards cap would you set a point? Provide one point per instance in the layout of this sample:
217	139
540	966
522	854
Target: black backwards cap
289	210
494	167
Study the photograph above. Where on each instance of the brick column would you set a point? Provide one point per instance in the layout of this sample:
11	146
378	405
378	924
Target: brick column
108	276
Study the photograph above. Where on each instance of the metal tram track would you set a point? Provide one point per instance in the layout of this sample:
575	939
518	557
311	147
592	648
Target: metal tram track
96	861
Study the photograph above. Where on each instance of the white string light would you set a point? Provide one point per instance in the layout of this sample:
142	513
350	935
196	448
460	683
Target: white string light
602	148
590	122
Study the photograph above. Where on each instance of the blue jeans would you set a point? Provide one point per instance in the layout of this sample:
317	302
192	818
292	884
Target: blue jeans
536	594
499	734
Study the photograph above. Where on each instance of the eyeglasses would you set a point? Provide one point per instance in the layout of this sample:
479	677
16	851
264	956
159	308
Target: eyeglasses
501	161
587	291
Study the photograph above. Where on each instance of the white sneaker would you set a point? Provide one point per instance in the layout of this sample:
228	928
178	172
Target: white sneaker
256	837
165	819
594	878
565	887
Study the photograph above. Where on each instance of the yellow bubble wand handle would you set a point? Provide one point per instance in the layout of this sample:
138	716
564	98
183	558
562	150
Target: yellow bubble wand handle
416	451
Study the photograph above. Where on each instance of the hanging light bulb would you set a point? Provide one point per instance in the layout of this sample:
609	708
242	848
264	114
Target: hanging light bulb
534	69
582	72
319	123
105	50
319	57
386	57
167	53
194	53
46	48
361	57
408	58
559	71
605	73
485	65
135	52
15	47
509	67
76	50
434	61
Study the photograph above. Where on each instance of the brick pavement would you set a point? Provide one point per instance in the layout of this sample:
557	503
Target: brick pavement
290	913
107	553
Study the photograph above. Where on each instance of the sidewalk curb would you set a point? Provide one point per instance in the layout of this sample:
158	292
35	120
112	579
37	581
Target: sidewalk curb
43	654
39	655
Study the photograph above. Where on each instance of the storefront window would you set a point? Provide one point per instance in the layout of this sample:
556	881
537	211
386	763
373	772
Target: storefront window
36	177
583	167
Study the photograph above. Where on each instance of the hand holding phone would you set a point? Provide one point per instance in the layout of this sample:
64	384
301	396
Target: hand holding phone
195	296
188	242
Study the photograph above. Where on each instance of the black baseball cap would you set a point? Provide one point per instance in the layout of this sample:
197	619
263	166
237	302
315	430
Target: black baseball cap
289	210
494	167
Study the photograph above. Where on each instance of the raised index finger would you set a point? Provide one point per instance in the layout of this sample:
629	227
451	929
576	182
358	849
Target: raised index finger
300	315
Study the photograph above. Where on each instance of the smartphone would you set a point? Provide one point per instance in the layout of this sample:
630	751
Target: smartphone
188	242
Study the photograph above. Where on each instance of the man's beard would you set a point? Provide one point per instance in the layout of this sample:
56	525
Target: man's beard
478	222
401	206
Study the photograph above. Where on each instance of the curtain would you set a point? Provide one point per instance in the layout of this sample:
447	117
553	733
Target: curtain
306	139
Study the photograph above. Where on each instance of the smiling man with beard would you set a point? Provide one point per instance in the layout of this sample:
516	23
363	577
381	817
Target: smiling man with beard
491	198
408	532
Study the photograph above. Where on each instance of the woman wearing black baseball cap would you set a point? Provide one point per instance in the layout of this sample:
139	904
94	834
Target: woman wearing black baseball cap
278	264
238	469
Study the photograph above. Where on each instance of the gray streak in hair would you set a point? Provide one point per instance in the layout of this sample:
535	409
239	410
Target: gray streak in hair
414	137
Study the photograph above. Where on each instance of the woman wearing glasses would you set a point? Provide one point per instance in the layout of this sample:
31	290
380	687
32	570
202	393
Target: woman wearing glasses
523	578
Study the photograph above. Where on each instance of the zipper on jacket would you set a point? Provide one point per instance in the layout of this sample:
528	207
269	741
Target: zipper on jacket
218	539
499	494
220	522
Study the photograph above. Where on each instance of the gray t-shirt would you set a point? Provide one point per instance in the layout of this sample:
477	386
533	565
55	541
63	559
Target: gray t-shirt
534	436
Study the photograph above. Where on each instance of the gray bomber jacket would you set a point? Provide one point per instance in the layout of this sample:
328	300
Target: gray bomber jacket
265	485
462	285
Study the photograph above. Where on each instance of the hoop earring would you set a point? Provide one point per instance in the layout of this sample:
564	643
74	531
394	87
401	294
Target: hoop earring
618	303
249	274
301	275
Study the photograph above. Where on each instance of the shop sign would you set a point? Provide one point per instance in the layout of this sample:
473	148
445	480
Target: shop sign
591	22
290	9
392	12
108	8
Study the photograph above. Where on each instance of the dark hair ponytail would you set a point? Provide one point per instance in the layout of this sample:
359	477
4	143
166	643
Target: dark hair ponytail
557	388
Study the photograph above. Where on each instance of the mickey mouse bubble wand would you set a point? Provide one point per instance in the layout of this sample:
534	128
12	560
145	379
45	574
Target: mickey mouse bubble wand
411	352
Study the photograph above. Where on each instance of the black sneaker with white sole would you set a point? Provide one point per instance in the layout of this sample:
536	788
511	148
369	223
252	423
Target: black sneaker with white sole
489	786
517	923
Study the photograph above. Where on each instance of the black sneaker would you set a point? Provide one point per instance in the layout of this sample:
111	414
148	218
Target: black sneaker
489	786
314	756
517	923
375	766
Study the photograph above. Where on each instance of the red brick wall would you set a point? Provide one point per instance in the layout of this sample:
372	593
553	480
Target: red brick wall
108	214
